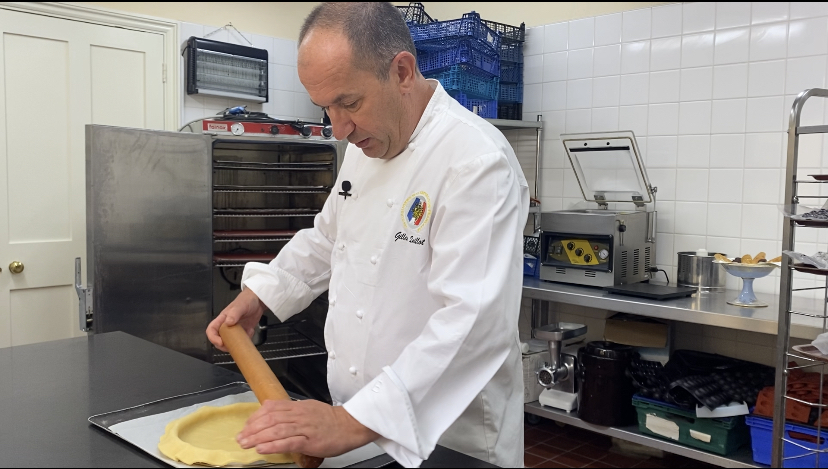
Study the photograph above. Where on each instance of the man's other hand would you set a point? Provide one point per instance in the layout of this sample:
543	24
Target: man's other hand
309	427
245	310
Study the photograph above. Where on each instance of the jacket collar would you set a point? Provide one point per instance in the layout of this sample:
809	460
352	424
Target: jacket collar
438	103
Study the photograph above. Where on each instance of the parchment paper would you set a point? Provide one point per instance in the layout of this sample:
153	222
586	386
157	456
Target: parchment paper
145	432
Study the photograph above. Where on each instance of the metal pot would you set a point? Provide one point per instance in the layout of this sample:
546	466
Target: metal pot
699	271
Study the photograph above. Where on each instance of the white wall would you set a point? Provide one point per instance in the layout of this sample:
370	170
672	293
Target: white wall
707	89
288	98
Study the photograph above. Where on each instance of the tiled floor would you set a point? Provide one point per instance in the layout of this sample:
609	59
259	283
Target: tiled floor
549	445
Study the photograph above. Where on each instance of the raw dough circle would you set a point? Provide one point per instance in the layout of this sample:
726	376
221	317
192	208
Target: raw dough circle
208	436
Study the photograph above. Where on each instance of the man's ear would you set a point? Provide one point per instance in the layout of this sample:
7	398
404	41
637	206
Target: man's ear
404	70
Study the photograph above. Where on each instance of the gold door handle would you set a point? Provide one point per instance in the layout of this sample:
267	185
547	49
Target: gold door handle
16	267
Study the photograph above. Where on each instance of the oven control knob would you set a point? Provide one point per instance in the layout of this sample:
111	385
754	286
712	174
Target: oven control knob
327	131
588	258
603	254
579	252
274	129
305	131
570	245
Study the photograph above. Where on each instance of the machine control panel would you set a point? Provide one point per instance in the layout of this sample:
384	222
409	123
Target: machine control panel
570	251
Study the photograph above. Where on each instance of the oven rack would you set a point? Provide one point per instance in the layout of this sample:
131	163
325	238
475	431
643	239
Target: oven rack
224	188
239	259
282	343
268	166
248	236
265	212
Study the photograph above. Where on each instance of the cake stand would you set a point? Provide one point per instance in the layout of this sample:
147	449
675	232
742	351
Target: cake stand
748	273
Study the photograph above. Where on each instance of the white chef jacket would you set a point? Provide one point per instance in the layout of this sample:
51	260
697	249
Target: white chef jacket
423	270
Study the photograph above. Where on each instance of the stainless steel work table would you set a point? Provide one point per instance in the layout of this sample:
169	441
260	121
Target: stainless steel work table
708	308
48	390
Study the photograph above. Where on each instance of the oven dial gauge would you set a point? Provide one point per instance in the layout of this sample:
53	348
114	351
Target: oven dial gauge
237	129
603	254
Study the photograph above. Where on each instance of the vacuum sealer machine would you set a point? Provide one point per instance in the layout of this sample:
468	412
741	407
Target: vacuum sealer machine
598	246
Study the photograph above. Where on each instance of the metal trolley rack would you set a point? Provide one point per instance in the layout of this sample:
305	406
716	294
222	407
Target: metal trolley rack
784	354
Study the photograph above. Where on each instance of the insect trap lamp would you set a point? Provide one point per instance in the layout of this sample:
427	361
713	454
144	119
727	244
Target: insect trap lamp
221	69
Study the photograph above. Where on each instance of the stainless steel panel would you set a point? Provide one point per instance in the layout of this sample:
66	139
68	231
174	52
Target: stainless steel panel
149	227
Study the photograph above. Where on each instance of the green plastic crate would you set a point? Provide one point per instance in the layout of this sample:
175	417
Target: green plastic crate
725	435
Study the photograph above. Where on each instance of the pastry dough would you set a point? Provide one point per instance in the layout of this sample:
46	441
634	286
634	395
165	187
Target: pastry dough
208	436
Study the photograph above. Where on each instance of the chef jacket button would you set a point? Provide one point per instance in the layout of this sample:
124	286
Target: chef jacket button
341	245
412	147
352	370
332	355
356	195
332	303
390	203
373	259
360	314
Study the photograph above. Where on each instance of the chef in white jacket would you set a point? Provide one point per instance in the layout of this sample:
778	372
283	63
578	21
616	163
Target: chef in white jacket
421	259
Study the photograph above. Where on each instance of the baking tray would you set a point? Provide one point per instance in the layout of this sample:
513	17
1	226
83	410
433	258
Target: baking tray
809	269
811	351
106	420
819	177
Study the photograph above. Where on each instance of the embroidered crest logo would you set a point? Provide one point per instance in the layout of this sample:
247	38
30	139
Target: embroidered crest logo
416	210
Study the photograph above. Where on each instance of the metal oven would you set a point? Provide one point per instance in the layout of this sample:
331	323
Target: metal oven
172	218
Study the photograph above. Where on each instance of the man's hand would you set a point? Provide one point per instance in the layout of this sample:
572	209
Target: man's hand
245	310
309	427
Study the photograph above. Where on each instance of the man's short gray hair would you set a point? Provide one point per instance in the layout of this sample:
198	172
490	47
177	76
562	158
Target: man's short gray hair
376	30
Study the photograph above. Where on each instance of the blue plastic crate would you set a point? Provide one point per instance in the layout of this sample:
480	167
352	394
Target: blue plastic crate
482	107
415	13
469	81
530	265
510	111
459	51
761	435
511	93
511	52
511	73
469	26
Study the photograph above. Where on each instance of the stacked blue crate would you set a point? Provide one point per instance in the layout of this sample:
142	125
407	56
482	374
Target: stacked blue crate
510	98
464	55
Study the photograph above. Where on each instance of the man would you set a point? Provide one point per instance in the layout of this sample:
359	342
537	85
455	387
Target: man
422	262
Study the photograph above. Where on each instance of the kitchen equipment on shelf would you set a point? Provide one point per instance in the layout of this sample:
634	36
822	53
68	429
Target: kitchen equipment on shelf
602	247
748	273
697	269
606	391
559	375
174	217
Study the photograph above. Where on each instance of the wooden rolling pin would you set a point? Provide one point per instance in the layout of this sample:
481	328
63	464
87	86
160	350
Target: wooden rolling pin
259	376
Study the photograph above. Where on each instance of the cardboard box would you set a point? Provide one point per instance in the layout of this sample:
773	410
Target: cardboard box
532	362
652	338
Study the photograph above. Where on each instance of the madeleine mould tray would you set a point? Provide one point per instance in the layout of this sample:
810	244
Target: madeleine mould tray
106	420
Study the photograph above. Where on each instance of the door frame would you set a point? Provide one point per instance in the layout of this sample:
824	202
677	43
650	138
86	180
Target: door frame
168	29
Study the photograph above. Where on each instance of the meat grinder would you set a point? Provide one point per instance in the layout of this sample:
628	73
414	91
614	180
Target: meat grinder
559	376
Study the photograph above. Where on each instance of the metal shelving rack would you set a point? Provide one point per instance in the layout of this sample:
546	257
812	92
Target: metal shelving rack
786	290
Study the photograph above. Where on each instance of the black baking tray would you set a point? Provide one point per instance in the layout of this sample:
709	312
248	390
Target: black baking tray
653	292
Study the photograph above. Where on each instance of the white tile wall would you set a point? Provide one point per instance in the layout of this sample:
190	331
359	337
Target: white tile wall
288	99
707	88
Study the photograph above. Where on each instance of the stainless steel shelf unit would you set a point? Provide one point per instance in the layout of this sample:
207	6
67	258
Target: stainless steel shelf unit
786	290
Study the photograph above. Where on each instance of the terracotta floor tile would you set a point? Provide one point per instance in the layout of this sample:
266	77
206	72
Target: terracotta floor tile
592	452
597	464
551	463
546	451
651	463
564	443
619	460
573	460
530	460
536	435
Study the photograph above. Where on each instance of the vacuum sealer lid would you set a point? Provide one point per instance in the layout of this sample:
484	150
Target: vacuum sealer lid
608	167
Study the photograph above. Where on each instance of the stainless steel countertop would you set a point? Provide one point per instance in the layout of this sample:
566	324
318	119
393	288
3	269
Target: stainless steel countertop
706	308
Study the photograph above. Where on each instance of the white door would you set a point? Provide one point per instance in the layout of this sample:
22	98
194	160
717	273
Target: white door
56	76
